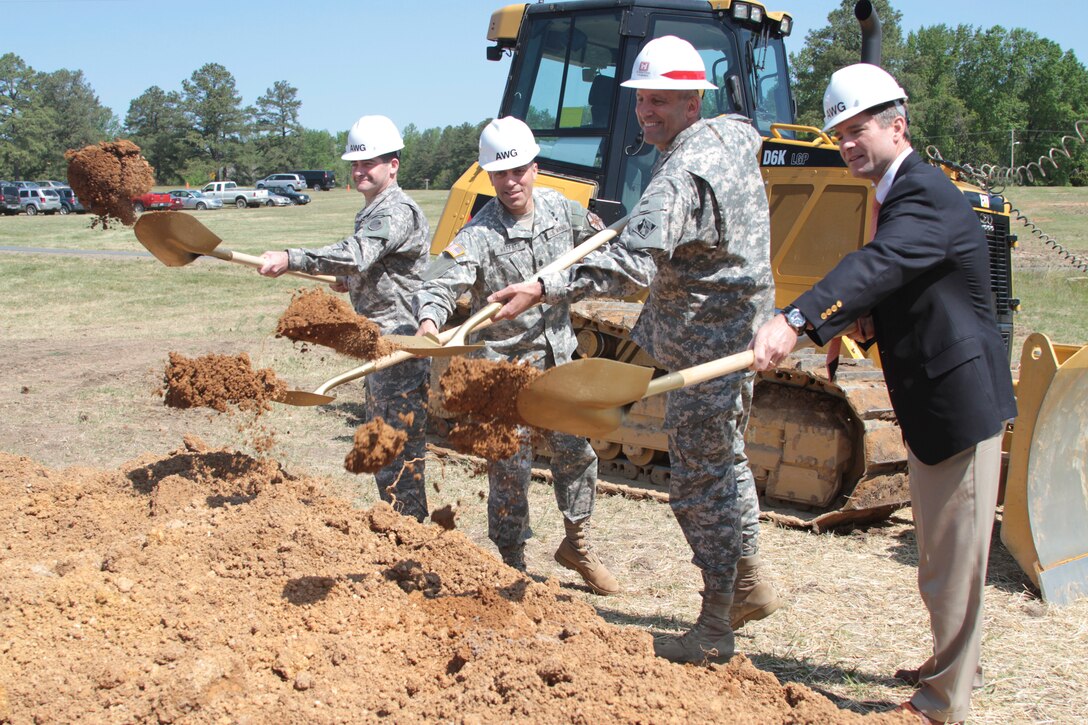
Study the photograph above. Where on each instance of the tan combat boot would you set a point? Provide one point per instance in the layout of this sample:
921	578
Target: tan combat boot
752	599
574	554
709	640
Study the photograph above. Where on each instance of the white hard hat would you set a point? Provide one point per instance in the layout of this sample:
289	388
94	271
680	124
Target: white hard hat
669	63
858	88
507	143
372	136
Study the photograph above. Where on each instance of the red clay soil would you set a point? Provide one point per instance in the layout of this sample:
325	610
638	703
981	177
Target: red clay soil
220	381
484	393
317	317
375	445
206	586
107	177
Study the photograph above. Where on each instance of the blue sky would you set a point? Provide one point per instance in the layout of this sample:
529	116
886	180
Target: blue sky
418	62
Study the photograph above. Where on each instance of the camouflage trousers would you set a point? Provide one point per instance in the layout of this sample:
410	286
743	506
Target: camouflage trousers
399	396
574	482
712	492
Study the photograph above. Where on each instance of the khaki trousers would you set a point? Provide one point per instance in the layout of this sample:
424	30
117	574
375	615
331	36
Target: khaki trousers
953	504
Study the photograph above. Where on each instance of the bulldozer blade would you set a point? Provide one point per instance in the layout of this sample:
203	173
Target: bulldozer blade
1046	489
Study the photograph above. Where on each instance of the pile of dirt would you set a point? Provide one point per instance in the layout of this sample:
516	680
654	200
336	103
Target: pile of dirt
375	445
206	586
218	381
317	317
484	394
107	177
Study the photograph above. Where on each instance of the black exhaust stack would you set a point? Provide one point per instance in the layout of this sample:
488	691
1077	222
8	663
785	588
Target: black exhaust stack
871	35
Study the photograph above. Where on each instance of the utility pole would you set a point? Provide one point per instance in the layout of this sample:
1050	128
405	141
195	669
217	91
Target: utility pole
1012	148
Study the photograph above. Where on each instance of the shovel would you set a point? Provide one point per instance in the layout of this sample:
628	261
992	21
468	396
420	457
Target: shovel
176	239
591	397
431	346
320	395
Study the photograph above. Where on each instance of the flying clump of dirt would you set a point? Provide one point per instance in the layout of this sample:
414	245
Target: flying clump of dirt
107	177
375	446
320	318
484	393
486	389
218	381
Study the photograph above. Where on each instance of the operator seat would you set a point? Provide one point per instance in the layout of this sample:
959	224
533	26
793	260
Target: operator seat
600	97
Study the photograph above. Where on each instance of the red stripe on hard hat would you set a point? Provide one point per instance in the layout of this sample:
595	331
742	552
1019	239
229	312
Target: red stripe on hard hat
686	75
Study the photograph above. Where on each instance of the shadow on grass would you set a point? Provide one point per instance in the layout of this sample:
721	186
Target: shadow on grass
1002	572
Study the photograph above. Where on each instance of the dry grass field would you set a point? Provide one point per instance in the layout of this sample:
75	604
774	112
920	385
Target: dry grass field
83	344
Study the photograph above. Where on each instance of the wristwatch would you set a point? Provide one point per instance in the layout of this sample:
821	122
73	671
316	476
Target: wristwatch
795	319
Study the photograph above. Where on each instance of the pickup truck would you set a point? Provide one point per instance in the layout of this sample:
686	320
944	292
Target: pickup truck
154	200
231	193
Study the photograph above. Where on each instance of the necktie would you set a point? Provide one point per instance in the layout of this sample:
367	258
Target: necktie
835	346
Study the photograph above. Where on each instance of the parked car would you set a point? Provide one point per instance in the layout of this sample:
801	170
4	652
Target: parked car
154	201
27	184
318	178
50	184
294	182
231	193
35	200
9	199
275	199
193	199
69	202
295	197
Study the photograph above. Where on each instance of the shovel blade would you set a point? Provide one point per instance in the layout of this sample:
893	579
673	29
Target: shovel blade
174	238
304	398
429	346
586	397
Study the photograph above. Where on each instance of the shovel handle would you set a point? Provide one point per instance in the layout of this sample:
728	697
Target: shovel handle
476	322
389	360
701	373
574	255
248	259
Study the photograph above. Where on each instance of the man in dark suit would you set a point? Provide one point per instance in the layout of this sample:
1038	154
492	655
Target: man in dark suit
922	285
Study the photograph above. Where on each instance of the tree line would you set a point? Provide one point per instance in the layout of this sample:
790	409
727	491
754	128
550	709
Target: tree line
979	96
200	133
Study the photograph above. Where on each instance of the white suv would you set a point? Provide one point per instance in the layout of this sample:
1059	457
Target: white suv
37	200
294	182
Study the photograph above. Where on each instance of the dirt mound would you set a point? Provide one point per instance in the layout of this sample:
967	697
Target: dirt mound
317	317
107	177
484	393
211	587
375	445
219	381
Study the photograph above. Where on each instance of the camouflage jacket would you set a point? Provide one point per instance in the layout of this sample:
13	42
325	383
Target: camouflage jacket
699	238
495	250
382	263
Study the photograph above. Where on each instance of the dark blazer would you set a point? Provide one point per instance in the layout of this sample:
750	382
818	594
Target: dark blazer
925	278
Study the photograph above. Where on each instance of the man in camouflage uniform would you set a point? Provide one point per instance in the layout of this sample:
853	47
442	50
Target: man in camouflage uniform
699	238
518	232
381	266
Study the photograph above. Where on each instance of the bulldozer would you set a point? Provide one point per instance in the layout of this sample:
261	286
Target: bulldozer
825	453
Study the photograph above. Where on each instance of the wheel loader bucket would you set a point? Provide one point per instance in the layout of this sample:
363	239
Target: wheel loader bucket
1045	522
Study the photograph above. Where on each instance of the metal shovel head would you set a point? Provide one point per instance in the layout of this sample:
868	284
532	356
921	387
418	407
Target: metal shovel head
586	397
304	398
176	239
429	346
